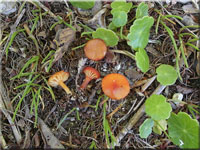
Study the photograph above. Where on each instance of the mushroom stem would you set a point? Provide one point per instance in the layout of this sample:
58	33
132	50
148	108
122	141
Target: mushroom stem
67	90
85	83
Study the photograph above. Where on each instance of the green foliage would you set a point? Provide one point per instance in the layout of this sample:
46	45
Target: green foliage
107	130
142	10
12	39
171	34
157	129
157	107
183	130
166	74
32	87
119	18
66	115
139	32
146	128
111	26
119	12
142	60
120	6
93	145
83	4
109	37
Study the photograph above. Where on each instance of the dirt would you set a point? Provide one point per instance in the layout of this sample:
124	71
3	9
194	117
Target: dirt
80	133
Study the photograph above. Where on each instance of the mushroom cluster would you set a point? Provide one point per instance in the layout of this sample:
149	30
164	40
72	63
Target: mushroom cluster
114	85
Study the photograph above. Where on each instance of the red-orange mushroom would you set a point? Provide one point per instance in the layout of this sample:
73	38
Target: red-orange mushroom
58	79
115	86
95	49
90	74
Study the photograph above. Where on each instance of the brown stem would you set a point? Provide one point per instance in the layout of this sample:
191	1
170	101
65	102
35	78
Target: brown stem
67	90
85	83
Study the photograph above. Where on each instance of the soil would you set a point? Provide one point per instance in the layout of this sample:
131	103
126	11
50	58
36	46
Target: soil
75	132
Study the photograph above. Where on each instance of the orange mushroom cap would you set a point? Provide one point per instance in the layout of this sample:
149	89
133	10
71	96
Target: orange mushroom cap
58	78
90	73
115	86
95	49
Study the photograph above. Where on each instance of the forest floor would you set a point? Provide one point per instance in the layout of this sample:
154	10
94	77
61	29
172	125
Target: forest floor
46	116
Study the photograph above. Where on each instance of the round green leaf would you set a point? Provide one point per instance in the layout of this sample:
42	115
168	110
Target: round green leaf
142	60
142	10
139	32
157	129
83	4
111	26
120	6
183	130
167	75
109	37
157	107
146	128
119	18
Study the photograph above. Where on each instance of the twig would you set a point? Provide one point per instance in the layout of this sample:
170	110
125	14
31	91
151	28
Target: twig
126	115
176	19
32	37
141	110
37	3
114	111
148	83
2	140
16	132
13	29
4	100
135	118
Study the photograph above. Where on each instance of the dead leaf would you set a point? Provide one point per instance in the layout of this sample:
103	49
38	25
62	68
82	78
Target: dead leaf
15	130
153	51
42	34
51	140
110	57
188	21
190	9
64	37
184	89
98	19
133	74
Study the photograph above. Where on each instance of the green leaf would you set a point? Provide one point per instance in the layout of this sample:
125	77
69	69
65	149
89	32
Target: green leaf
157	107
139	32
119	18
142	60
120	6
167	75
142	10
146	128
183	130
109	37
83	4
111	26
157	129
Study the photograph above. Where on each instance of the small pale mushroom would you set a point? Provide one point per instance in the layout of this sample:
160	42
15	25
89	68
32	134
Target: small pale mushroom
115	86
58	79
90	74
95	49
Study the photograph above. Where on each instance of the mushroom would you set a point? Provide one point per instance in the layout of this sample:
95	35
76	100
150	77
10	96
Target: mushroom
58	79
95	49
90	73
115	86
